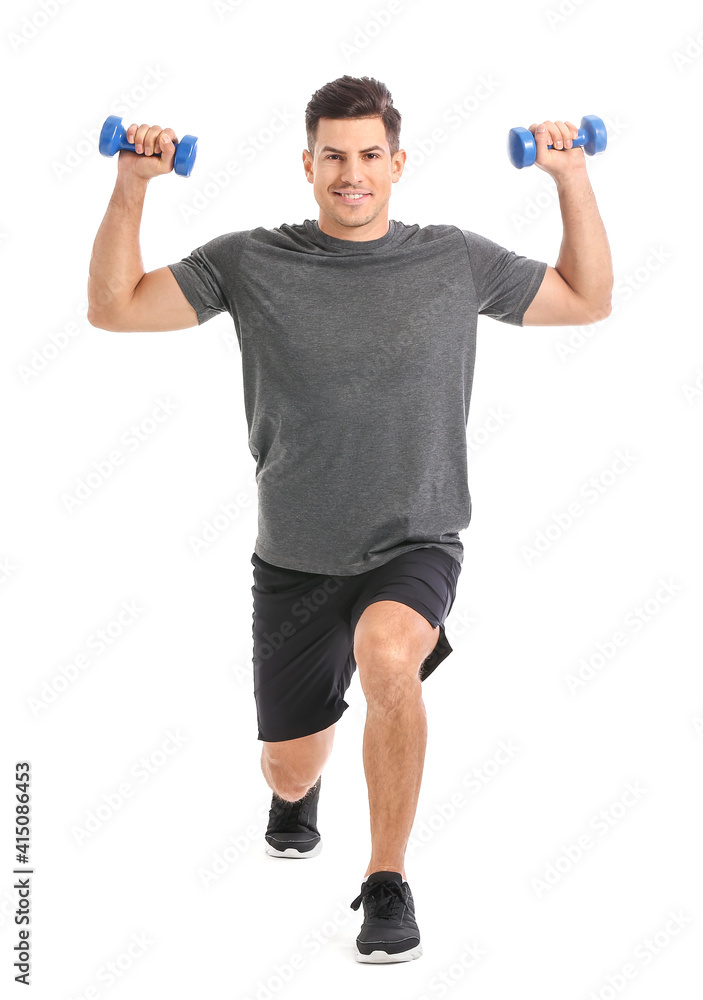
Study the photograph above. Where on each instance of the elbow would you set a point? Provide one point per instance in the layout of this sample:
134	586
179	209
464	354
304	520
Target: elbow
594	312
95	314
93	317
606	305
96	320
105	311
102	320
605	309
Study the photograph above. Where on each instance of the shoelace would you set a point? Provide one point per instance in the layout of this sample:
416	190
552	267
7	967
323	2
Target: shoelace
385	894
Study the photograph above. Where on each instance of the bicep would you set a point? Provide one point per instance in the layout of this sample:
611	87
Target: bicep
157	303
555	304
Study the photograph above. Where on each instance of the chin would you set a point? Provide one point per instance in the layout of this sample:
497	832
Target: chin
352	221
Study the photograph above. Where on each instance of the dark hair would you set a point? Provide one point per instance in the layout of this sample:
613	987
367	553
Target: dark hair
353	97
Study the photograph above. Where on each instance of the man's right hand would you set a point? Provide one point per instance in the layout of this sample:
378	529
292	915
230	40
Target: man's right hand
149	140
121	295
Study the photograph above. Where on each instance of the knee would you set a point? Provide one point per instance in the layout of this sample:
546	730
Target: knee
285	789
389	659
390	684
286	785
287	781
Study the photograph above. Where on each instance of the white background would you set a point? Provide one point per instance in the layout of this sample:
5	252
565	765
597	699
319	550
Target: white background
181	664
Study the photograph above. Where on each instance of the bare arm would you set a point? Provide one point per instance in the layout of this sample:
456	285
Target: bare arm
578	289
121	296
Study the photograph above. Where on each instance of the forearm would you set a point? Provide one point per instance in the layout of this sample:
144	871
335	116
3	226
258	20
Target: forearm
116	266
584	260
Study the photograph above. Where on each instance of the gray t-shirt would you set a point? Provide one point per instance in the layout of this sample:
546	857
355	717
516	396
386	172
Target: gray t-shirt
358	361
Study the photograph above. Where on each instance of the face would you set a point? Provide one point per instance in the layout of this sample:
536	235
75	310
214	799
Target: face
352	156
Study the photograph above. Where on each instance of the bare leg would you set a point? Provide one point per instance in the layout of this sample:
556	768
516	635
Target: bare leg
291	767
394	755
391	641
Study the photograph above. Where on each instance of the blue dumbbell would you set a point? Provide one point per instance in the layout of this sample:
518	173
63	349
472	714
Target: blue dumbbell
522	149
113	137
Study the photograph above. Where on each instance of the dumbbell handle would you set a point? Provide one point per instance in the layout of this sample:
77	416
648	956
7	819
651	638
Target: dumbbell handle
113	137
522	146
123	144
580	140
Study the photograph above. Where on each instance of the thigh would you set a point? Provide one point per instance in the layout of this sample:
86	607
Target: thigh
424	579
301	655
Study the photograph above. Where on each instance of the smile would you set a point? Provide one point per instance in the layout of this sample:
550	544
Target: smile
354	199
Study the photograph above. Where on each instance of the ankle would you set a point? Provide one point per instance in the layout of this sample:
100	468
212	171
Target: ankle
390	867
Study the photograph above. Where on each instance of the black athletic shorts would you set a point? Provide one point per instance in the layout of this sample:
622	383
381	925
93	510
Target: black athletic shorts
303	629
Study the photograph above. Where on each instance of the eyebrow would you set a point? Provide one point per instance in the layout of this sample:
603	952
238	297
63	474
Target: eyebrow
331	149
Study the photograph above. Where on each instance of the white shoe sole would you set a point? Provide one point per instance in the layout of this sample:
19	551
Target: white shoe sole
382	957
291	852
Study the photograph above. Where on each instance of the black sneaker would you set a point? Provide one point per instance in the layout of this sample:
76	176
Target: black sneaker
292	829
389	932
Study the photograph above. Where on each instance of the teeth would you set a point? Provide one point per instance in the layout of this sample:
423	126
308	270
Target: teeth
353	196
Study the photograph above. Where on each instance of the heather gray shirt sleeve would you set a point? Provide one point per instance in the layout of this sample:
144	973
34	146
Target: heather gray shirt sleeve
206	274
505	282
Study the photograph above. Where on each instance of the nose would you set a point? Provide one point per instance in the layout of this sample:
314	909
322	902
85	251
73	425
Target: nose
352	171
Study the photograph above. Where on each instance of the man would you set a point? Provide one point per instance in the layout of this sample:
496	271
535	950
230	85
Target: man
357	337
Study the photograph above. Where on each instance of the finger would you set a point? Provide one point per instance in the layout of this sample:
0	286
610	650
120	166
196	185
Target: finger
543	137
131	132
150	138
563	135
167	136
574	129
139	138
555	137
166	145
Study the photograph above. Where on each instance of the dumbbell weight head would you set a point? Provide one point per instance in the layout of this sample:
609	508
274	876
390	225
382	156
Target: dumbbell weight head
113	137
110	136
522	149
594	127
186	151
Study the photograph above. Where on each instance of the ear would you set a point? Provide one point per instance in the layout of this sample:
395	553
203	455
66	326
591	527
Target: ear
398	164
307	164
